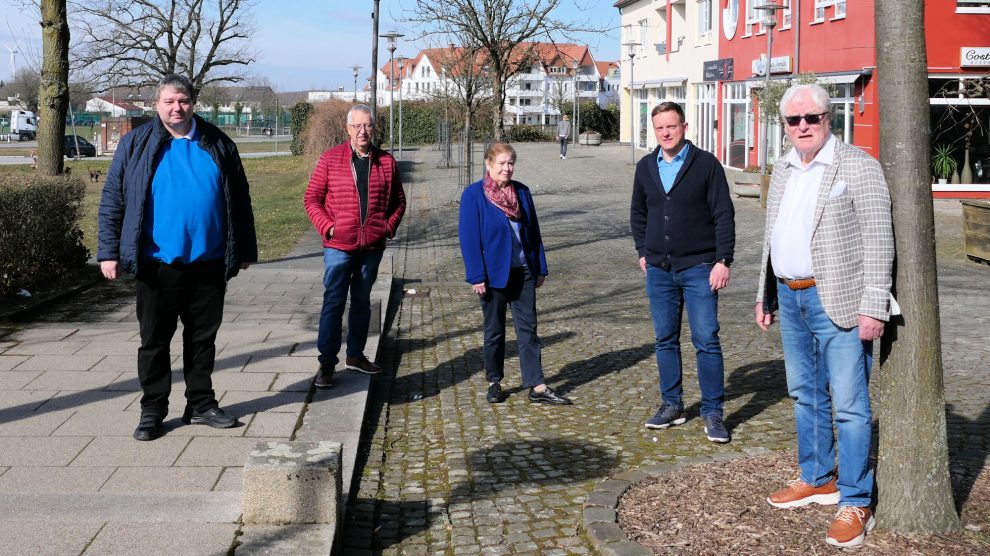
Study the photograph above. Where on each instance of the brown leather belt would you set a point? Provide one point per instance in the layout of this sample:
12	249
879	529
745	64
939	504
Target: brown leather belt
799	284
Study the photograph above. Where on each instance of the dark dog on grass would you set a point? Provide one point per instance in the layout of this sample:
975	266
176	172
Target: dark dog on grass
94	175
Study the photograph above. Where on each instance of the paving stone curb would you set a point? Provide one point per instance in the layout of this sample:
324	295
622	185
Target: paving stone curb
599	518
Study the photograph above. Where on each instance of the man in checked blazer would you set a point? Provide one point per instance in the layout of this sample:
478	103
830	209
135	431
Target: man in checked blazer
828	251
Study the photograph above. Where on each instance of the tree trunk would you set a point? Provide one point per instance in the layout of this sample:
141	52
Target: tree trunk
53	96
915	493
468	149
499	97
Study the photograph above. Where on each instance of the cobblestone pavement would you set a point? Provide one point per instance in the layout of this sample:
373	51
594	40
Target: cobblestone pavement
446	473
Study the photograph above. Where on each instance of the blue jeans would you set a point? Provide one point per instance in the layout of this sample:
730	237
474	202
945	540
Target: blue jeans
669	291
828	367
343	271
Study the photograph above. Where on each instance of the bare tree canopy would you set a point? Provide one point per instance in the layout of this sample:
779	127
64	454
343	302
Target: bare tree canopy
136	42
497	28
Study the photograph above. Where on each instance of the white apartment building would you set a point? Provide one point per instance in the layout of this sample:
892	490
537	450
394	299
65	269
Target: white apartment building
674	40
533	95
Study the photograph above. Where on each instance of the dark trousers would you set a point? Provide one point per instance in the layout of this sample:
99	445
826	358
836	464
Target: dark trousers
563	146
166	293
520	295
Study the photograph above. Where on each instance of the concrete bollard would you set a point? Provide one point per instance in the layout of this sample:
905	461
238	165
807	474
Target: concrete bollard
292	482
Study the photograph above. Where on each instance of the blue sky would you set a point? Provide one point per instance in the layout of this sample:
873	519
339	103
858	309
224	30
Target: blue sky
312	44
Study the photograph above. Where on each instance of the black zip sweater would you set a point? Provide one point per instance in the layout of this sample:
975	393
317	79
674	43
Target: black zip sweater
691	225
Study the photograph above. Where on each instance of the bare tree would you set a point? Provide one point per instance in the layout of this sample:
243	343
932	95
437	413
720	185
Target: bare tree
915	493
25	87
53	96
467	87
214	96
499	28
136	42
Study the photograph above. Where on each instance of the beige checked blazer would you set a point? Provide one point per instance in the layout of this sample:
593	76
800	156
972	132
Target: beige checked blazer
852	242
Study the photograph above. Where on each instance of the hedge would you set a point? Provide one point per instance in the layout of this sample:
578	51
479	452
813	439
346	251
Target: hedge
40	237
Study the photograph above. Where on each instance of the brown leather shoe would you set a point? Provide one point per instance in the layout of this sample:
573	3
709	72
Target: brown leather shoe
850	526
324	376
361	364
798	493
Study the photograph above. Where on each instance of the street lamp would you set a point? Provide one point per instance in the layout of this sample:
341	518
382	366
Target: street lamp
355	69
401	61
574	110
632	45
769	21
391	36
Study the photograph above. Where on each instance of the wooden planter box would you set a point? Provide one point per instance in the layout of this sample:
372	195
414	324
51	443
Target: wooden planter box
976	230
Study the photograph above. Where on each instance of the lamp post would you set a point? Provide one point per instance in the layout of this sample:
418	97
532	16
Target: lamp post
769	21
392	37
631	45
401	60
355	69
373	87
574	110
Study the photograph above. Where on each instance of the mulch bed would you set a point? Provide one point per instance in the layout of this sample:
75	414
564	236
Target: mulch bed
720	508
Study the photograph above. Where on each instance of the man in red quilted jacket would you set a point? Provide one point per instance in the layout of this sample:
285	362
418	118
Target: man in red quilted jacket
355	200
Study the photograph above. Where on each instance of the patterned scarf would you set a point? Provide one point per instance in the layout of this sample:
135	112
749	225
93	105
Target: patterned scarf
503	197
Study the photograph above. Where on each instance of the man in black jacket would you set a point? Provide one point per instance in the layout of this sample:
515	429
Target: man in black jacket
683	224
176	212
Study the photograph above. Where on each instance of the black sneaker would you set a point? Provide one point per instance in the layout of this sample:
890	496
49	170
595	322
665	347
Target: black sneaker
667	415
149	427
214	417
548	396
494	394
324	375
715	428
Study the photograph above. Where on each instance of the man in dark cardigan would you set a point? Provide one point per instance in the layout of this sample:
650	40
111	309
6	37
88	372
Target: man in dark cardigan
683	224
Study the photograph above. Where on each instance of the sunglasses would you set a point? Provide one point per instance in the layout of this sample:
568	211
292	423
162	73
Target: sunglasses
812	119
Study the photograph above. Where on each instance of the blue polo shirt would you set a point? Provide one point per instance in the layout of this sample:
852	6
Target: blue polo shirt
184	212
668	170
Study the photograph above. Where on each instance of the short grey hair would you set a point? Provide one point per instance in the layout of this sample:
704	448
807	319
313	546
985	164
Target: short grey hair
359	108
180	83
818	94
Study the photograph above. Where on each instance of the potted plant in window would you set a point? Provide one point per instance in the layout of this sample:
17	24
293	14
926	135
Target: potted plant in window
944	162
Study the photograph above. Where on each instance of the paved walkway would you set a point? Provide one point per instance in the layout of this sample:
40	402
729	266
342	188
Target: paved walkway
440	470
447	473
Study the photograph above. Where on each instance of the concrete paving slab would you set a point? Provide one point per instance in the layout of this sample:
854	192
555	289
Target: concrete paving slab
31	423
162	479
162	508
109	333
187	539
27	451
85	422
118	451
60	363
292	382
110	347
36	334
245	403
54	479
91	400
243	382
290	363
8	362
291	540
15	380
45	538
68	380
24	400
221	452
272	425
231	479
32	347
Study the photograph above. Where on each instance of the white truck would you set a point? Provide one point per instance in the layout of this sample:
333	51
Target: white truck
23	125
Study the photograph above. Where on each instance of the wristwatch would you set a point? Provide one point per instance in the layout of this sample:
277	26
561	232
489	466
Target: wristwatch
724	261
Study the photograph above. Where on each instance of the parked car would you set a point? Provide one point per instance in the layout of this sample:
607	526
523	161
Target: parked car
85	147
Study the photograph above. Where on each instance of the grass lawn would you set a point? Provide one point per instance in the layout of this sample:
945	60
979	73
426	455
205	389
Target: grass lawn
277	186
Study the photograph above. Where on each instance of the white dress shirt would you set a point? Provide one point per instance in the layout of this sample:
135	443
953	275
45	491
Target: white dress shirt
790	240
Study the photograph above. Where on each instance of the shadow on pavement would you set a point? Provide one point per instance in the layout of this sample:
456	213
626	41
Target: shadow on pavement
966	464
579	373
764	379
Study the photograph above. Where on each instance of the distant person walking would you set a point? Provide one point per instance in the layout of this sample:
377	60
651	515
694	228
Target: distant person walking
356	201
504	262
176	212
828	253
683	225
563	134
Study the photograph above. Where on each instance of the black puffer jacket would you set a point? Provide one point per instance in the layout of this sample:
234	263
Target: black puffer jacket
129	179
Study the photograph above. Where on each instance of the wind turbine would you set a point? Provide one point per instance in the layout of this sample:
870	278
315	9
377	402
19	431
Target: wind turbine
13	61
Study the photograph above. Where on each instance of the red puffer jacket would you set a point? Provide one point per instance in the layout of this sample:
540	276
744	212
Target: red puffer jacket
331	201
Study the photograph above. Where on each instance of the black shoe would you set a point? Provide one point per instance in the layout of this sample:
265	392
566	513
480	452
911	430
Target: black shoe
324	375
495	393
548	396
214	417
362	365
149	427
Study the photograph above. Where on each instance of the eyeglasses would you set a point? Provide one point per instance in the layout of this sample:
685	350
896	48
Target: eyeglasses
812	119
359	127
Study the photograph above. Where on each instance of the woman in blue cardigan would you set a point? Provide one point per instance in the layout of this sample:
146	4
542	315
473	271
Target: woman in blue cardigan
504	262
